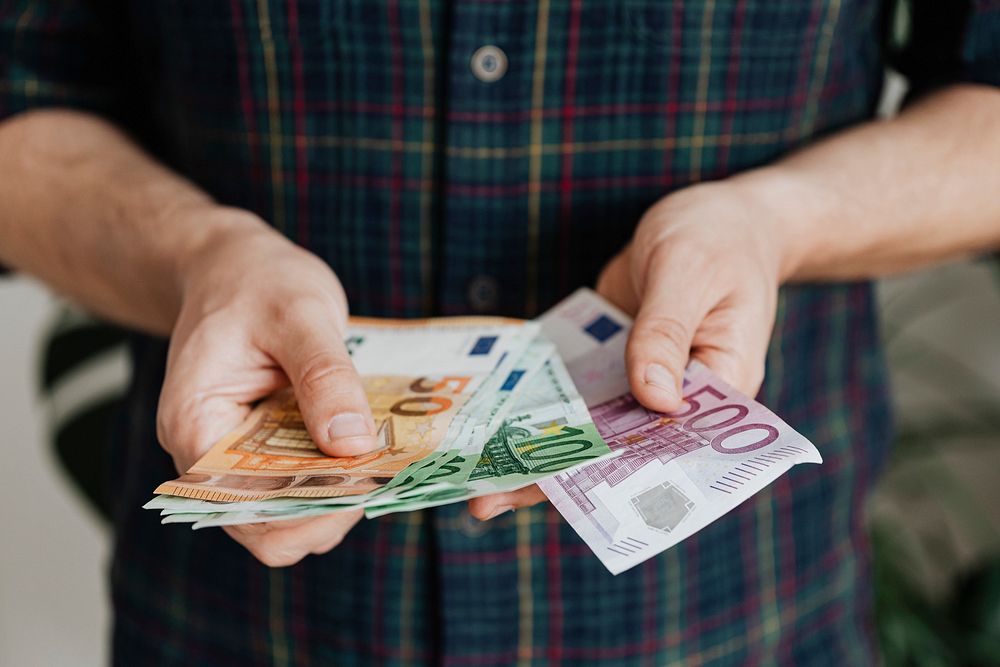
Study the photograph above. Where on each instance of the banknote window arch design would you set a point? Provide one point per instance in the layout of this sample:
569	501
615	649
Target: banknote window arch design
280	440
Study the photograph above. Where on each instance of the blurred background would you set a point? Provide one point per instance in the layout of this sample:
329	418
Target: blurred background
935	520
54	553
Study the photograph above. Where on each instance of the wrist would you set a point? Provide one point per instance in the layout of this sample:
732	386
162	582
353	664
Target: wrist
236	256
792	210
215	233
732	219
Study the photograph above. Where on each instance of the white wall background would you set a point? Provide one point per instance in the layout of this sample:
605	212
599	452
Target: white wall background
53	553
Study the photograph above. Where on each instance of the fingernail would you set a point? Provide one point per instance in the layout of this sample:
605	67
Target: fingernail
498	511
352	433
660	377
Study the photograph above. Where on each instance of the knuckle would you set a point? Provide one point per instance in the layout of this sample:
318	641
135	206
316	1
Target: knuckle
249	530
173	418
663	329
275	555
670	329
325	371
167	423
162	429
328	545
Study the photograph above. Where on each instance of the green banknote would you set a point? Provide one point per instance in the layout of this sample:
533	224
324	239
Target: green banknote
548	431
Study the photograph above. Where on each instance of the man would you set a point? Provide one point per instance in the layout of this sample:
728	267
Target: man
431	157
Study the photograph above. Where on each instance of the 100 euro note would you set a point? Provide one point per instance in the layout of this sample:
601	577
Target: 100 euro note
674	474
418	411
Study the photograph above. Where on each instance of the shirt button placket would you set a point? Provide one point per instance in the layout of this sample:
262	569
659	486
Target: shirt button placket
488	64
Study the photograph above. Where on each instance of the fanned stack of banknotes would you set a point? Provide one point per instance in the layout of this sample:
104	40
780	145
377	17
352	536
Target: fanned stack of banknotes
470	406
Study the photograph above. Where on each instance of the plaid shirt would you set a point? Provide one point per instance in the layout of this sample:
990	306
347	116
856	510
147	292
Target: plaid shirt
369	132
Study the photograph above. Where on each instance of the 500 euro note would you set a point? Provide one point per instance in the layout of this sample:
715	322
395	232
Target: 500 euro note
446	361
674	474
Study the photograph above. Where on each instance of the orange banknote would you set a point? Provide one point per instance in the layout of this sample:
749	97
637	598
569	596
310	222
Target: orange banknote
418	376
272	455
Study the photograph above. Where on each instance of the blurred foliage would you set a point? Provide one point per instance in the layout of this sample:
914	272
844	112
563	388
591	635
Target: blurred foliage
963	629
960	626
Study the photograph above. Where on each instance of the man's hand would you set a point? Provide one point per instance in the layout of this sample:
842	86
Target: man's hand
701	278
257	314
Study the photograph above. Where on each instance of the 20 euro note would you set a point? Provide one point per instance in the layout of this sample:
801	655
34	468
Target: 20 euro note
674	474
419	376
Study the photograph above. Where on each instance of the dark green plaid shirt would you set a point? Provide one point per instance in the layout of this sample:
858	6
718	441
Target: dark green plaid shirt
438	178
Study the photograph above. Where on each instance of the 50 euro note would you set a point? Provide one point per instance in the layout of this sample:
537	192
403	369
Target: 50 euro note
420	377
674	474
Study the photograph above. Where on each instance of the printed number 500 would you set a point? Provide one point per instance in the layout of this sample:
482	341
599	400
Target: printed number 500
728	416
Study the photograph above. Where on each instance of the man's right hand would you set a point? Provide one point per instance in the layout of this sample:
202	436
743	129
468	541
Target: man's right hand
257	314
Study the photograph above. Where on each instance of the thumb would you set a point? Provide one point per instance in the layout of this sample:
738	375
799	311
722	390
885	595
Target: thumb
311	350
616	284
660	343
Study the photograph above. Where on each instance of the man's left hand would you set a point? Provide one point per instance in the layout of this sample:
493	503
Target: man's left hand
701	278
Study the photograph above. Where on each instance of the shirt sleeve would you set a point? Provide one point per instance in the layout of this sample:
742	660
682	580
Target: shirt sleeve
936	43
62	53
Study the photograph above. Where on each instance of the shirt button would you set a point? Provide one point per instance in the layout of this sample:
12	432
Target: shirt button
489	63
483	293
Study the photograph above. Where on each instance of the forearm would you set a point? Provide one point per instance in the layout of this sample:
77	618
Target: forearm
88	212
889	195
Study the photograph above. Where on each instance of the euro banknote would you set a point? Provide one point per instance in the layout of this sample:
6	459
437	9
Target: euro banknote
503	427
630	481
674	473
421	378
549	429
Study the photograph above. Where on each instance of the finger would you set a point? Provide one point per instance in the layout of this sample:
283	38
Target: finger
674	303
211	379
616	283
308	343
732	341
284	543
493	505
